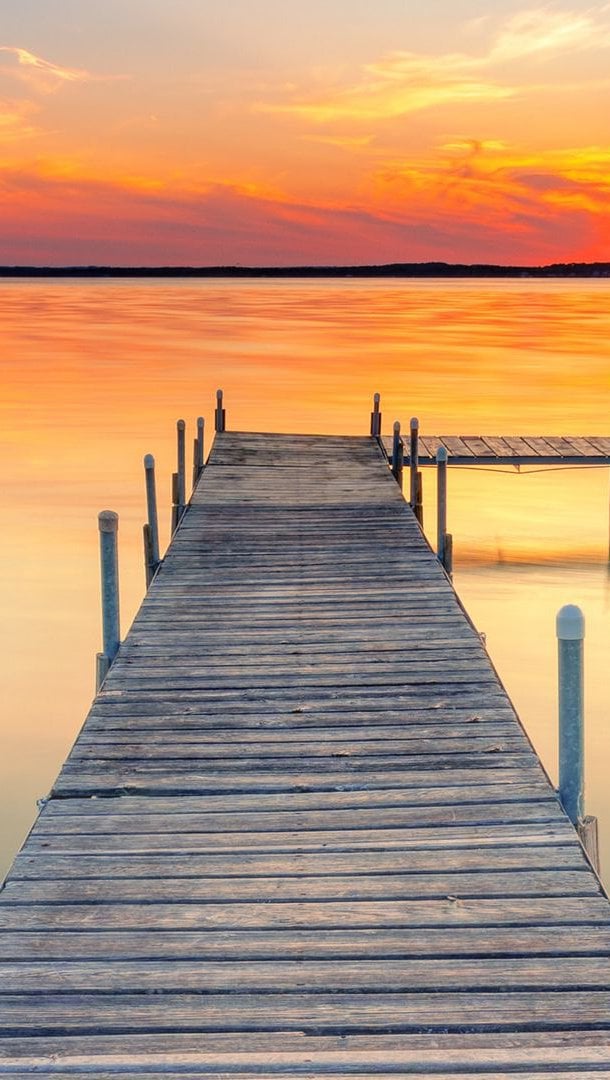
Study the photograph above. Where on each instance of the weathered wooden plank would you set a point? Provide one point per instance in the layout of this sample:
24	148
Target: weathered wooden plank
315	1012
451	911
138	780
304	944
452	836
272	1053
478	445
332	888
54	867
259	977
327	820
171	749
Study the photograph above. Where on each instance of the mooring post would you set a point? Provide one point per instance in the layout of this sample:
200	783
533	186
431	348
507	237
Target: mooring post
376	417
570	637
198	451
398	452
151	511
448	564
219	415
181	437
419	499
413	461
175	505
441	503
108	523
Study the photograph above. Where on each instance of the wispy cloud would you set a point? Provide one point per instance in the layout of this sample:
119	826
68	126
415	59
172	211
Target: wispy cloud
546	32
403	82
43	75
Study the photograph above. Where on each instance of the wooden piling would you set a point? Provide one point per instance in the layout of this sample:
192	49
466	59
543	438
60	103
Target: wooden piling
448	564
376	417
588	834
181	492
419	500
175	518
397	454
220	414
108	524
151	509
198	451
441	502
149	564
413	460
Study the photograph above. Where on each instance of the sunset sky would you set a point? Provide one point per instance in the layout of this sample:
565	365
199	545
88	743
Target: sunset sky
284	131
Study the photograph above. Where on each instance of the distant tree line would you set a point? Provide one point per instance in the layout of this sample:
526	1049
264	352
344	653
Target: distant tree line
386	270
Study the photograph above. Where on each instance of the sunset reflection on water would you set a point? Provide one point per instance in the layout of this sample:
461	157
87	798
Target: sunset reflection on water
97	372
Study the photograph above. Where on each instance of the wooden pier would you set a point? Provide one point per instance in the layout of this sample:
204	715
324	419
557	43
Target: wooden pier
516	450
302	832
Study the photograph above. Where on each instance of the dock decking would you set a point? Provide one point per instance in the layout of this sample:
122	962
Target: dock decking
512	450
302	831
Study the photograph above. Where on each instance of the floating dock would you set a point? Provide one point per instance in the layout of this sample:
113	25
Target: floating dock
302	832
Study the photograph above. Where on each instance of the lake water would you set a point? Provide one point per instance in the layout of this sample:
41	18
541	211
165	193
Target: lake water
95	374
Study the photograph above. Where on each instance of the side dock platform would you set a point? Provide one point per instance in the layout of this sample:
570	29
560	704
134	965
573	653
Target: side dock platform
302	831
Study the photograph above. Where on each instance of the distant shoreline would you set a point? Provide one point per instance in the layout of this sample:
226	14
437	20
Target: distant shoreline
386	270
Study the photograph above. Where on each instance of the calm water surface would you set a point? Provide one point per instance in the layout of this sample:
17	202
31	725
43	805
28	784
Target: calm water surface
96	373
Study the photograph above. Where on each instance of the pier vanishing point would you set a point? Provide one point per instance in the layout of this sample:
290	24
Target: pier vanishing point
302	831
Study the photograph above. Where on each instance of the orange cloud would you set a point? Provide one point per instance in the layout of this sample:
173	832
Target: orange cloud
457	211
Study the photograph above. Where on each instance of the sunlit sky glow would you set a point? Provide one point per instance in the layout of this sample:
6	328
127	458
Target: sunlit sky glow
278	132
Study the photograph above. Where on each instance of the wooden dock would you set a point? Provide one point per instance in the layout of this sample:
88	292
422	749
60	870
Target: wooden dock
302	832
513	450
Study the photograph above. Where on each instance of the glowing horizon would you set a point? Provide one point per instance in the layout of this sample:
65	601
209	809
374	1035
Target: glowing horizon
265	134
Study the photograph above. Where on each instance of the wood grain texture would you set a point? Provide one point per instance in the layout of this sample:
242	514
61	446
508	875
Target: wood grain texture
302	832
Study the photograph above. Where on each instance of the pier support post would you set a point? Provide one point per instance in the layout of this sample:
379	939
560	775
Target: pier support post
181	447
198	451
108	523
419	500
413	461
376	417
570	637
151	529
441	503
398	451
220	414
175	504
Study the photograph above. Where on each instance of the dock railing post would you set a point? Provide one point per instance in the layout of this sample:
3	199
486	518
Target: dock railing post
220	414
108	523
181	447
151	534
413	461
175	504
376	417
198	451
441	503
398	452
570	638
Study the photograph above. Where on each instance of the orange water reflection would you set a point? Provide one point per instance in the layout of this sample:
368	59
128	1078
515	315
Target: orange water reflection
96	373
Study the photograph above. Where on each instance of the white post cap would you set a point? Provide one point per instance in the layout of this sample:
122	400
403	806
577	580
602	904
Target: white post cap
441	455
570	623
149	461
